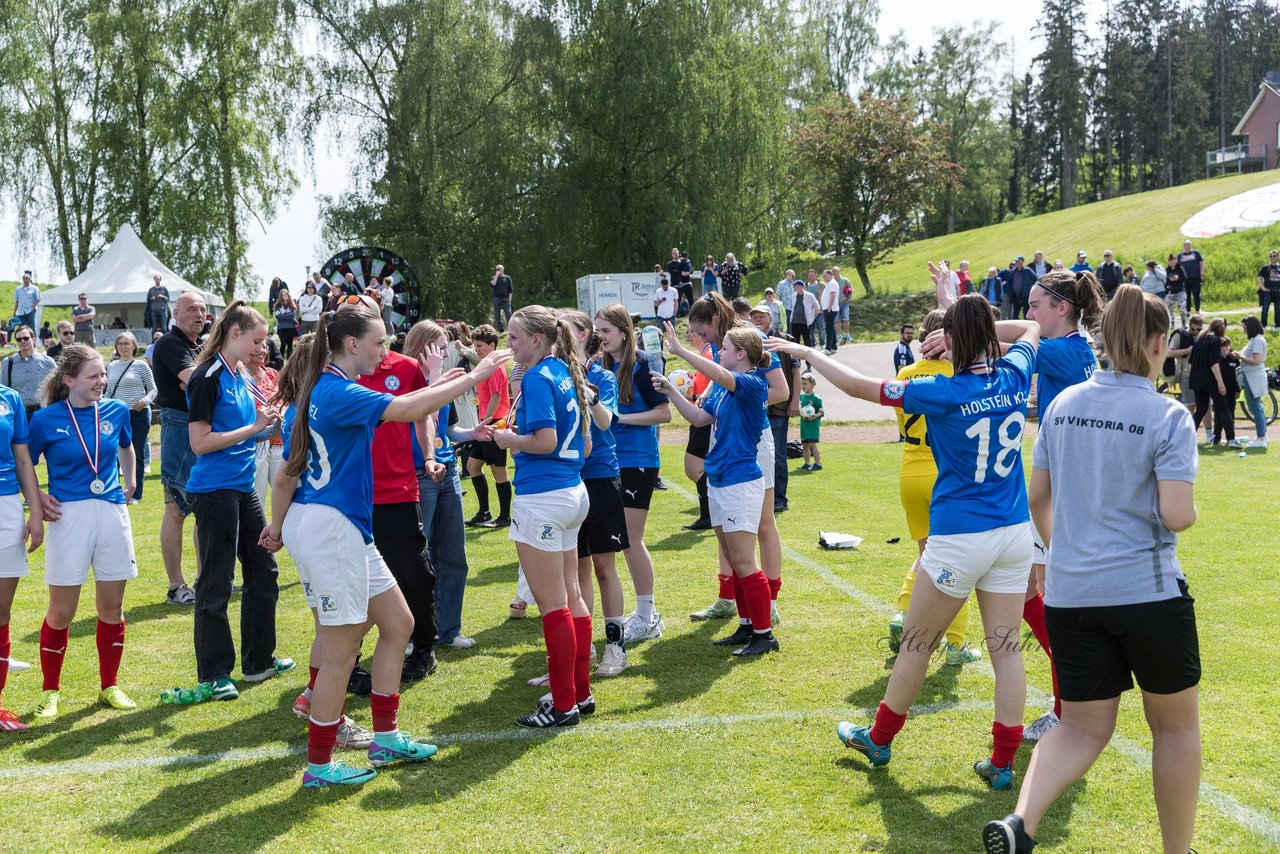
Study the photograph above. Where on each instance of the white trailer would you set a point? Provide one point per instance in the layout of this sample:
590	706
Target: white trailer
633	290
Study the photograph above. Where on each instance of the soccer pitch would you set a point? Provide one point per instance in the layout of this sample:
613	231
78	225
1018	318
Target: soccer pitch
690	749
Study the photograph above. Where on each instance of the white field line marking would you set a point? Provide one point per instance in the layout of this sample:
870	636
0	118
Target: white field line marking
605	728
1245	816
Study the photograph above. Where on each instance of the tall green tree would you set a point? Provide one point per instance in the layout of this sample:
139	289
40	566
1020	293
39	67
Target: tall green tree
1059	106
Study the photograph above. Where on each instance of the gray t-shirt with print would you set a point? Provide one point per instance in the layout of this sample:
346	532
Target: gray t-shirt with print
1105	443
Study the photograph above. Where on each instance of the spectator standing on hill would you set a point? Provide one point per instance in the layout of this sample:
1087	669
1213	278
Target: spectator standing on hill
1153	280
680	274
1192	263
964	282
846	301
273	294
1110	276
1175	290
502	292
902	355
814	287
787	296
991	287
1021	280
26	299
157	319
1006	291
82	316
1038	265
710	275
1082	263
830	308
1269	287
732	272
286	313
803	314
25	370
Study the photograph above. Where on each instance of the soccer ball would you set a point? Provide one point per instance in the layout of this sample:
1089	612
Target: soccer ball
682	380
808	411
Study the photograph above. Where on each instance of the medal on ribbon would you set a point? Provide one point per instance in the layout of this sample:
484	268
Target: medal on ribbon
247	382
96	486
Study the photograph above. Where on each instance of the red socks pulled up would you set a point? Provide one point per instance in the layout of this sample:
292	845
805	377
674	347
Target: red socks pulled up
110	651
312	673
383	708
582	658
1033	616
775	585
53	649
739	597
755	590
726	586
888	724
1005	741
562	648
321	739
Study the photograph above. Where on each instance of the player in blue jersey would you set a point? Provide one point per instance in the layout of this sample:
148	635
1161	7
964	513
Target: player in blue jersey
979	533
734	406
713	317
17	483
221	400
87	444
640	410
322	510
604	533
550	440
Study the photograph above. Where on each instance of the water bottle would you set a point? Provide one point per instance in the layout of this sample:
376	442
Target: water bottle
651	339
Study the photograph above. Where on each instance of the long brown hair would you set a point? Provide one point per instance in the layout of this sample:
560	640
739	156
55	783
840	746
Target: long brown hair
972	327
334	328
617	316
289	380
1082	293
420	335
750	342
239	314
542	321
1131	320
72	361
715	310
580	322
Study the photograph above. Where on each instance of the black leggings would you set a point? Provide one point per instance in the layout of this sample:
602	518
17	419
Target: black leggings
1223	418
1193	295
286	341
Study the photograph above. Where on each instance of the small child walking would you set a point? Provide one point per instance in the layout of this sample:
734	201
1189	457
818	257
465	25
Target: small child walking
810	424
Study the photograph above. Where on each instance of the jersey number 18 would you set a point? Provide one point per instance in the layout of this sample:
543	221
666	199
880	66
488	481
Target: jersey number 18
1009	435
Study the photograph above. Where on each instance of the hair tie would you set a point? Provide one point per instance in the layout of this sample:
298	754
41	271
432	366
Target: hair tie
1057	294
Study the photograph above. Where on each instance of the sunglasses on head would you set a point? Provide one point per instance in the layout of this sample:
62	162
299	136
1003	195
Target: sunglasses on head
361	300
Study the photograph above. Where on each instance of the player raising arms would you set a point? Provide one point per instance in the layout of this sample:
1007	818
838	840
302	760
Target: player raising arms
1110	501
550	443
640	410
17	482
979	534
735	409
322	510
88	522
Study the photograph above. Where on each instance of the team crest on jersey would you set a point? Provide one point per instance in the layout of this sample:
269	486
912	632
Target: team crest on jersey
107	429
392	383
547	532
306	588
328	604
894	390
5	409
946	578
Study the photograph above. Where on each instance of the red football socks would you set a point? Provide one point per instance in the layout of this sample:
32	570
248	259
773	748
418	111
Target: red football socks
582	658
726	586
755	589
1004	741
313	672
1033	615
562	650
739	597
53	649
888	724
383	708
321	739
110	651
4	655
775	584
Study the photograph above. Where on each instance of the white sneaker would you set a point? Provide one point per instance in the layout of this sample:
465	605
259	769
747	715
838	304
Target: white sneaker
636	628
16	666
1235	443
352	736
1258	443
541	682
460	642
615	661
1043	724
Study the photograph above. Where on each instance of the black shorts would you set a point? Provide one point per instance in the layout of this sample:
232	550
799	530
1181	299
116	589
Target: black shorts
489	453
699	444
637	487
604	531
1098	652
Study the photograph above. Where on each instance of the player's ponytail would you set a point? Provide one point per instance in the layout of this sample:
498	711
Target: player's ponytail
972	327
566	350
750	342
716	311
1130	321
1080	291
239	314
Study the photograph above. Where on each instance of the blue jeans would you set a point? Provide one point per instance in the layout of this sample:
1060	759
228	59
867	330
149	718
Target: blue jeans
1268	299
441	505
1254	406
28	320
829	318
176	456
501	312
778	424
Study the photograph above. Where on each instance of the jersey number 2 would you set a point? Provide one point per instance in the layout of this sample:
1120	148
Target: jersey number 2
565	451
1009	435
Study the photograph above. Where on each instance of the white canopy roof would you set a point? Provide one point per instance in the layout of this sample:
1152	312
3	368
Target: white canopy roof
122	276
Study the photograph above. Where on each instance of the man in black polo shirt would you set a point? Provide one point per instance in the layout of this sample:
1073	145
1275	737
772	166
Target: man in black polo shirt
1269	287
1110	275
1192	264
502	290
680	274
173	359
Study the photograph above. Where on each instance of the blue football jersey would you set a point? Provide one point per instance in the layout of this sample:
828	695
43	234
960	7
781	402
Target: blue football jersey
603	461
13	431
221	399
547	399
735	430
637	446
54	437
1061	363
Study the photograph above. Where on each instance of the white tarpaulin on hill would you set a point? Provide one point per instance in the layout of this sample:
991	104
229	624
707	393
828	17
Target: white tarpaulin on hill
1252	209
117	283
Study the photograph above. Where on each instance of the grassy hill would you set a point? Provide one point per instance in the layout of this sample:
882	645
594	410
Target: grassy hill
1136	227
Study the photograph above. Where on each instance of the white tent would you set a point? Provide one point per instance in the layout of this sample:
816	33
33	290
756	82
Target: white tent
117	283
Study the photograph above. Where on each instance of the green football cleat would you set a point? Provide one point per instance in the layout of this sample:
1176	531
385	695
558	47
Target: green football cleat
48	707
115	698
961	655
717	610
895	631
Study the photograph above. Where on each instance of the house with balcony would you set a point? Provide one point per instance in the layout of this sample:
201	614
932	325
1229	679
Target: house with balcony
1260	126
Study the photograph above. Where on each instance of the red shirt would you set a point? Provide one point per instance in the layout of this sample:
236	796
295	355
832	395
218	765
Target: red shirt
394	478
495	384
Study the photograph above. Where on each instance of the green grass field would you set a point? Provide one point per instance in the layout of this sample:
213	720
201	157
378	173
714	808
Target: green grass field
689	750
